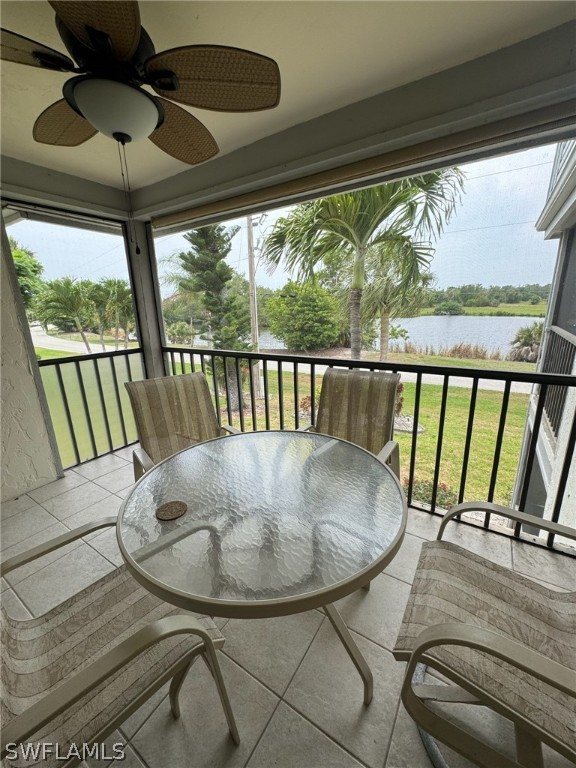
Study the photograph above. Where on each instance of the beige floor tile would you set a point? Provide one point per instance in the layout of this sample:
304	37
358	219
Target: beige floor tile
271	649
540	563
488	544
23	525
116	745
201	737
292	742
423	524
404	564
93	469
106	544
328	690
377	614
21	504
51	585
71	502
118	480
124	492
129	727
43	536
13	606
70	480
106	507
3	585
126	453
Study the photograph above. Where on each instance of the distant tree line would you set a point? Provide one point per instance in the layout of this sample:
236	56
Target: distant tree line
475	295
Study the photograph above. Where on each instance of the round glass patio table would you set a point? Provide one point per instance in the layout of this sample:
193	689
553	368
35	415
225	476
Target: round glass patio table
277	522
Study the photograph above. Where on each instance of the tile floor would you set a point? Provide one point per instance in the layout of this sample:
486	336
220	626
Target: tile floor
296	696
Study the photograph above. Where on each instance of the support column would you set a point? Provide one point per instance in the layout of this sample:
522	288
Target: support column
29	452
146	290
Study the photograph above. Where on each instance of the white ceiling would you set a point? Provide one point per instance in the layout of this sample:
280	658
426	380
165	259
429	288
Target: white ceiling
330	54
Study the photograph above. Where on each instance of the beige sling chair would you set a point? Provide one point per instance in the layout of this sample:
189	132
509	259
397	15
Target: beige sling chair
171	413
359	406
72	676
503	640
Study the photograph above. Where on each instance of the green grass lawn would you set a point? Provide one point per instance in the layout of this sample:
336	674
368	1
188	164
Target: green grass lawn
522	309
95	406
51	354
409	358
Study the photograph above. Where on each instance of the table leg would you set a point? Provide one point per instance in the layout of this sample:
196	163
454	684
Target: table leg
352	650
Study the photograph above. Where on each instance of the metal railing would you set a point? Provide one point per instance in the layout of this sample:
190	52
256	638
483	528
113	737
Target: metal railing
463	454
286	381
559	356
89	407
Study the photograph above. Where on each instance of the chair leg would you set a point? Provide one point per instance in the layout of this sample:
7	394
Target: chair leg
214	666
528	748
176	685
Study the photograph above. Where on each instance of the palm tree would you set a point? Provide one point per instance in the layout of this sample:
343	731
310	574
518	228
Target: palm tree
65	299
98	297
120	308
350	224
397	278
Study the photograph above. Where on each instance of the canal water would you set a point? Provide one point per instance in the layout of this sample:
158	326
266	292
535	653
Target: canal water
494	333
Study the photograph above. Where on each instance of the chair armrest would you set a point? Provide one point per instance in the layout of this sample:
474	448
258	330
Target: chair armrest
45	710
512	514
56	543
141	461
230	430
505	648
306	428
390	454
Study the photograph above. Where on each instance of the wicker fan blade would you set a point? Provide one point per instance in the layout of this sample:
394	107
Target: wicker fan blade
61	126
119	19
217	77
22	50
183	137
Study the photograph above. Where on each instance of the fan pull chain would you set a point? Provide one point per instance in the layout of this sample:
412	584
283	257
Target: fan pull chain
128	194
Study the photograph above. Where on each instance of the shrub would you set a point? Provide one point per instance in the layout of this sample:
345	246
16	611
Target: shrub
180	333
449	308
422	492
303	317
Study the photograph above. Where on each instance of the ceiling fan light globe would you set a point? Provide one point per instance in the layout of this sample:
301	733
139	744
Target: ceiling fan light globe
116	108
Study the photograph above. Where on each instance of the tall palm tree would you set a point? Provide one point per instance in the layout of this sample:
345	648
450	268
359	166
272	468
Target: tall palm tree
397	278
120	309
350	224
65	299
98	296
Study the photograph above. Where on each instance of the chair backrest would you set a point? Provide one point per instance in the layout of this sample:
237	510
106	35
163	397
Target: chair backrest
172	413
358	406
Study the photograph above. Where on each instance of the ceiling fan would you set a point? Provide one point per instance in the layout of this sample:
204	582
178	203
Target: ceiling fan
113	57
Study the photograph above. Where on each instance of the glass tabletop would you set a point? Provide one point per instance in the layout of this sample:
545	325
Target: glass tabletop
275	522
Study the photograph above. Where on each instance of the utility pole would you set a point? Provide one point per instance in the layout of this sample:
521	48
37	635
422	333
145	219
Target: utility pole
253	304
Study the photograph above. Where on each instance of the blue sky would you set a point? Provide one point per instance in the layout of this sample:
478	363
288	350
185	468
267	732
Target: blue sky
491	239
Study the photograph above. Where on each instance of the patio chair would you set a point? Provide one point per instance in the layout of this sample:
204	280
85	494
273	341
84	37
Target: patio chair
503	640
171	413
71	676
358	406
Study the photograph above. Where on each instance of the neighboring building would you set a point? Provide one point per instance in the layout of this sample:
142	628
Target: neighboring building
558	355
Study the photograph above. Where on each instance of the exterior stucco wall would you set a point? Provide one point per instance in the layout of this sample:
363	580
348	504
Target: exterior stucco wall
27	457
